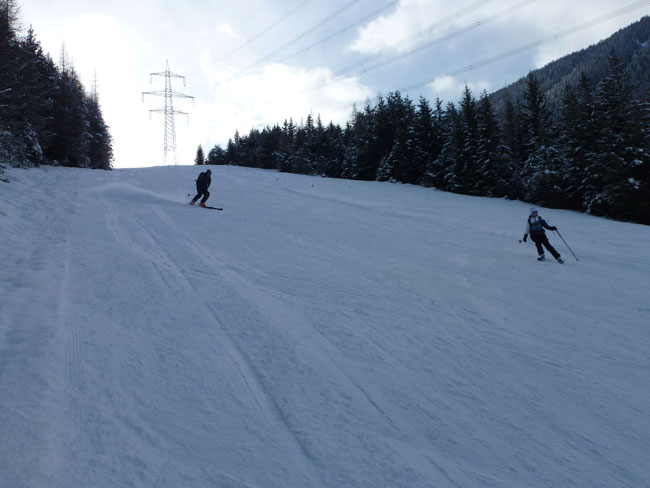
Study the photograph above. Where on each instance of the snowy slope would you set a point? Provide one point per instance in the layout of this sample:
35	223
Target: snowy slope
316	333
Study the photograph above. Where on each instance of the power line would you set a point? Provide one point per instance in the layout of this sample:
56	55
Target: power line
335	34
512	52
537	43
168	111
265	30
248	18
300	36
422	33
341	31
428	30
306	32
448	37
449	19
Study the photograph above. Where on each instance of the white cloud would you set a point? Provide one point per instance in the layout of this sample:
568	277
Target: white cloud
226	29
443	84
411	22
449	88
270	95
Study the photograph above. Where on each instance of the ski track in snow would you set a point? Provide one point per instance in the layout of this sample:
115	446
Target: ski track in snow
316	333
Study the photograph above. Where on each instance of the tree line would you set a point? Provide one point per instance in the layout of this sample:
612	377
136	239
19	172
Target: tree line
594	157
46	116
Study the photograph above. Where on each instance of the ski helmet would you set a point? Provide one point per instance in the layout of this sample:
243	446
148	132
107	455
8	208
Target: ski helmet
533	211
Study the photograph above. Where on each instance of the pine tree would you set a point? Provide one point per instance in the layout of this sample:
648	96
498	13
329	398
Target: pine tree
270	141
232	149
398	163
12	95
535	117
427	138
512	134
38	79
333	151
301	159
431	176
351	155
361	158
100	150
578	139
493	165
543	177
544	170
318	147
70	146
216	156
281	155
199	160
378	140
617	172
441	173
642	171
466	166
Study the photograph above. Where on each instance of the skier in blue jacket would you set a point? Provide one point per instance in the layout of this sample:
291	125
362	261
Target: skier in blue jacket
535	226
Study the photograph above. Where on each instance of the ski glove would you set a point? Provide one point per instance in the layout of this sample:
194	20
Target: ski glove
553	228
525	237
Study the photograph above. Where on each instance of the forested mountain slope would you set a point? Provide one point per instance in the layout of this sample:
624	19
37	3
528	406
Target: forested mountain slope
632	47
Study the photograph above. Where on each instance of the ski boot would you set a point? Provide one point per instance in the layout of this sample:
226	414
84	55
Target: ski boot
560	260
192	202
541	257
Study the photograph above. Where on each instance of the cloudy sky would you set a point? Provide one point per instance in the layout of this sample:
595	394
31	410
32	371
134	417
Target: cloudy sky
251	63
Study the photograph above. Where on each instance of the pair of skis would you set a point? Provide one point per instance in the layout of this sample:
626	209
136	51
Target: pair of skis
207	206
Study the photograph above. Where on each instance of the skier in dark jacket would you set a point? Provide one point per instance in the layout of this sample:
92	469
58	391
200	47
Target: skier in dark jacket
535	227
202	185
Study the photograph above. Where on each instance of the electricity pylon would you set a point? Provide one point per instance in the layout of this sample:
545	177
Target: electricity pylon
169	111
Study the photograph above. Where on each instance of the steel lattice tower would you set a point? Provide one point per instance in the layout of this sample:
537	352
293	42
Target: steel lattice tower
168	111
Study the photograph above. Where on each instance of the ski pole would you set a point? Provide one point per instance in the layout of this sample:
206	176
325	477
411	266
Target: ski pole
574	255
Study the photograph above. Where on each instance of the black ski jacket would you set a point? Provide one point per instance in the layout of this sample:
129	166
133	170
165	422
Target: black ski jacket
203	182
535	227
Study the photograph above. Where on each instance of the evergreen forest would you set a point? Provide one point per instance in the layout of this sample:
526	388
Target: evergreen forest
46	115
586	149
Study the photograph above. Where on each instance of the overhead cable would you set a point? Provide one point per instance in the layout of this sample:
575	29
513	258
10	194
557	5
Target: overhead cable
306	32
420	34
545	40
264	31
371	15
448	37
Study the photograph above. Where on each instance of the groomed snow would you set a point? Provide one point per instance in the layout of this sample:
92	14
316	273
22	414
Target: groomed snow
316	333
